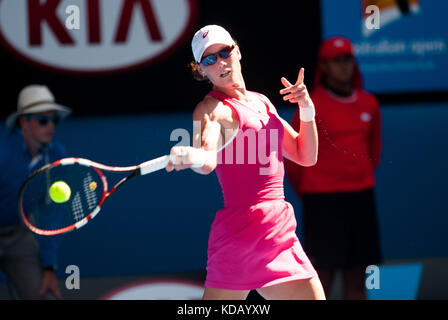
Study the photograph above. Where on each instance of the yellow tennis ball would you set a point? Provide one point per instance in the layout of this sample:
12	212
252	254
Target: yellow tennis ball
59	192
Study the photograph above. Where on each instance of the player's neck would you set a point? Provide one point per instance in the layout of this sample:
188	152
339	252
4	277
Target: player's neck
237	91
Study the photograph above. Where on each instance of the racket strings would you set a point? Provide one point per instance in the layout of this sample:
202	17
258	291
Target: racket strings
44	213
89	191
77	208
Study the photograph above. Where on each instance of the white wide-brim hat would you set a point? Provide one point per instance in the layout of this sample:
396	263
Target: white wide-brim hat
34	99
207	36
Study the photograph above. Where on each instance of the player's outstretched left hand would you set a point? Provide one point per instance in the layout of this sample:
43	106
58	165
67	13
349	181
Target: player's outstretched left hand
296	93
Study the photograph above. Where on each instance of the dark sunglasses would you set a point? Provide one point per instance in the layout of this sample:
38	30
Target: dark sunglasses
211	59
43	120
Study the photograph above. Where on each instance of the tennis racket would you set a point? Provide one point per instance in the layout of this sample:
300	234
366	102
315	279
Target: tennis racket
88	189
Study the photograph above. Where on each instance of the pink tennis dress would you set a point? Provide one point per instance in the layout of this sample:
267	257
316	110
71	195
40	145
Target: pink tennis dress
253	241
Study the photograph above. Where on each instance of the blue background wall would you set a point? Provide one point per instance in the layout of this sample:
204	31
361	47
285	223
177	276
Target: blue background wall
159	223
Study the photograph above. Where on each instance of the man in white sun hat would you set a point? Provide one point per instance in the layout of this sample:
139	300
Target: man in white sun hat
26	146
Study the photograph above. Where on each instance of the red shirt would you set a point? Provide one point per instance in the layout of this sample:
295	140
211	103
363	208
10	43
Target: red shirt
349	144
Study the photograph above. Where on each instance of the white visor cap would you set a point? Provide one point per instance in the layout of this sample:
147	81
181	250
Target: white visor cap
207	36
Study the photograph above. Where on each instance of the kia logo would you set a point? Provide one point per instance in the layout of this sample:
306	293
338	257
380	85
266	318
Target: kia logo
113	35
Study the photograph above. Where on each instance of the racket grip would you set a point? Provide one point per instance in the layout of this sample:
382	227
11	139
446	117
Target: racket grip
154	164
160	163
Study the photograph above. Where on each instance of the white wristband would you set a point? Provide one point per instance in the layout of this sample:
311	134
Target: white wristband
308	113
198	158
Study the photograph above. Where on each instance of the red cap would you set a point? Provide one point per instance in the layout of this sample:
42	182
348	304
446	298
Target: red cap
335	47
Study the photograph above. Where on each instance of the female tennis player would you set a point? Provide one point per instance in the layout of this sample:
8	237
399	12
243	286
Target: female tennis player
252	243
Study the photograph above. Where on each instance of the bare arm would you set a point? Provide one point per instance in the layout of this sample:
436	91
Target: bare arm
202	156
300	147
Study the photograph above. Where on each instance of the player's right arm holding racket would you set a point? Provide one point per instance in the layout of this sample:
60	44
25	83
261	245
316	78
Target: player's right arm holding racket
215	119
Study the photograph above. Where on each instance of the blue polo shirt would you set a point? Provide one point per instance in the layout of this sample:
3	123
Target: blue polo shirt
15	166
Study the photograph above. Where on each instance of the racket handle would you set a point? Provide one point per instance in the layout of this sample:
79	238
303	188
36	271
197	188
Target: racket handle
160	163
154	164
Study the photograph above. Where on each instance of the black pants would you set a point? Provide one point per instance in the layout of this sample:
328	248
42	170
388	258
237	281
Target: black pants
19	260
341	230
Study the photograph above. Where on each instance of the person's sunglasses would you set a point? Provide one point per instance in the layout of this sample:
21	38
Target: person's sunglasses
43	120
211	59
